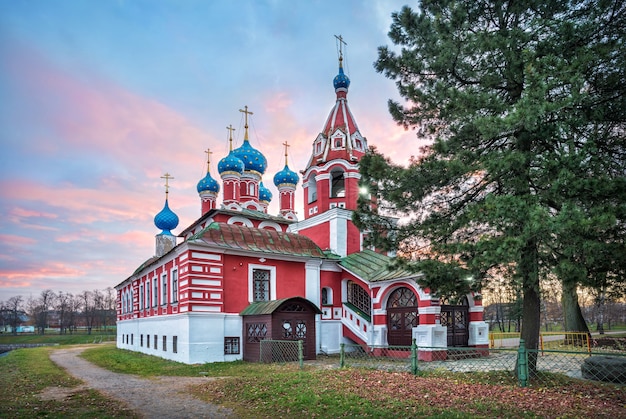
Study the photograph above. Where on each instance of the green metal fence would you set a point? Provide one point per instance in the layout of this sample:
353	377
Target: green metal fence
282	351
520	365
516	366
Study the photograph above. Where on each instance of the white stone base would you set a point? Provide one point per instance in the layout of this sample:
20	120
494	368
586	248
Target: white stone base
430	337
200	336
478	333
329	336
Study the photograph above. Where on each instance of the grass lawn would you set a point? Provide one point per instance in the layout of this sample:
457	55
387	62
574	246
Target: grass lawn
283	390
25	373
51	337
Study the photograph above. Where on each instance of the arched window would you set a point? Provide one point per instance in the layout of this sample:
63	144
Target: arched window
327	296
402	297
357	144
359	298
337	184
312	188
251	189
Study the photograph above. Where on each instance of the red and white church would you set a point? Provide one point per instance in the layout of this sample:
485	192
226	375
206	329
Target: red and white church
238	275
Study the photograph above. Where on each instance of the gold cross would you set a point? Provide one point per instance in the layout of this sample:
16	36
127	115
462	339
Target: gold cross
208	159
286	146
341	44
167	177
246	111
230	136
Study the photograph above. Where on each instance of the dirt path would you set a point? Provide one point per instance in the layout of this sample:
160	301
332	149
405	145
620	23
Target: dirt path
161	397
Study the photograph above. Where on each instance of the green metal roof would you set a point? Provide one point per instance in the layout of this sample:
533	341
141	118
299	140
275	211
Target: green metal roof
145	264
259	308
238	237
247	213
373	267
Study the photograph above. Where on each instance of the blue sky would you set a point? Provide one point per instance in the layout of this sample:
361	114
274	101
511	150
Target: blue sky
101	98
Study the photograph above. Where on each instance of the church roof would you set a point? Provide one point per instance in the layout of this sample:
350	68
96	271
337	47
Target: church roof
146	264
340	124
244	212
239	237
373	267
268	307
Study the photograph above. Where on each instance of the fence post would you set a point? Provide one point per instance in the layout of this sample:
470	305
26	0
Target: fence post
522	364
414	369
300	354
342	351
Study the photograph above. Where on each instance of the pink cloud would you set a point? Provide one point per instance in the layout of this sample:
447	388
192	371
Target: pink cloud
103	118
17	240
23	213
51	270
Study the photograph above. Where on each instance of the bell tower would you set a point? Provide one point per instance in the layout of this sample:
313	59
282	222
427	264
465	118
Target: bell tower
331	177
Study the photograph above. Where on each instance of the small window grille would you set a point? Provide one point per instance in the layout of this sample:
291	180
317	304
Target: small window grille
359	298
256	332
261	284
175	344
231	345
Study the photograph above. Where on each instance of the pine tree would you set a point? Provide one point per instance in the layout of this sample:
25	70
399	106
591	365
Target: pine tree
525	104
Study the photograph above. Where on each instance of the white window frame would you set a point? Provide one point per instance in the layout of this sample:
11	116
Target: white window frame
272	269
311	189
174	287
334	139
329	297
141	301
155	291
164	289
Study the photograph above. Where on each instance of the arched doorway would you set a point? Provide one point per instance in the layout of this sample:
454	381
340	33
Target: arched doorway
401	316
286	319
456	319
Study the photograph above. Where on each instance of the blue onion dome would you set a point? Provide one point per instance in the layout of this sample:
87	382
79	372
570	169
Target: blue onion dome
286	176
208	184
230	163
264	193
341	80
166	220
252	158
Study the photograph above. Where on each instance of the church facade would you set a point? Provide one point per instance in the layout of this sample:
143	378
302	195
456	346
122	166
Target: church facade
238	275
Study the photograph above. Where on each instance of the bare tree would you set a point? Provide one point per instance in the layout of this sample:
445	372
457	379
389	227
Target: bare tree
88	309
110	303
40	309
65	306
12	312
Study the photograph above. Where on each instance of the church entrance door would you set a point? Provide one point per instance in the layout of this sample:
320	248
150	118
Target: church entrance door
401	317
455	318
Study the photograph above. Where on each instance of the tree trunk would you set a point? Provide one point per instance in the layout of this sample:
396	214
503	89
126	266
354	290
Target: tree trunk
572	314
600	310
531	305
531	324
